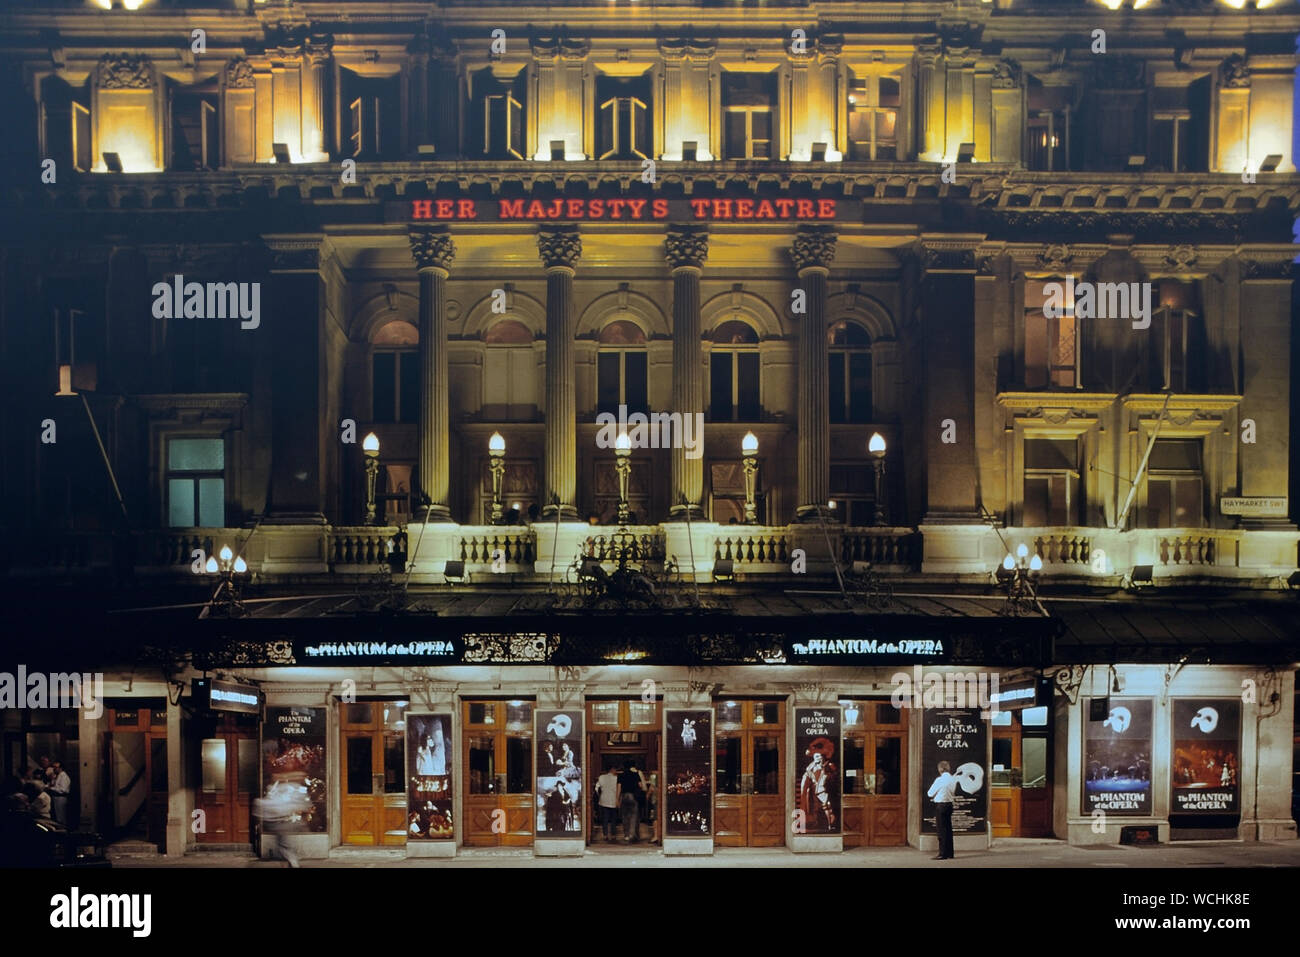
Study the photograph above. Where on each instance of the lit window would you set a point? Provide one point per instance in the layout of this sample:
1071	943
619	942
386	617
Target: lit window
500	115
873	117
1051	110
1176	339
733	373
1175	484
1052	483
196	483
1051	342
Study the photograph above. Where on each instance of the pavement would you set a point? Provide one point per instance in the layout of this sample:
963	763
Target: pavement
1004	853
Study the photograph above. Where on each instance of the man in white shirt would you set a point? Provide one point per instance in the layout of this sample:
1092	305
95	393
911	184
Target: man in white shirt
60	787
607	789
941	792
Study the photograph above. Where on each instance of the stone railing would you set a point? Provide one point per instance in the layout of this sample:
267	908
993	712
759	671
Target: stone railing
753	545
880	546
1101	552
169	551
486	544
638	543
362	547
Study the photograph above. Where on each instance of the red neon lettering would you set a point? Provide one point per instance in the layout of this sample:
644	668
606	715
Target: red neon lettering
765	210
445	208
512	208
556	210
804	208
722	209
616	208
575	207
465	209
422	209
536	210
659	208
825	209
744	209
635	206
699	207
784	206
596	208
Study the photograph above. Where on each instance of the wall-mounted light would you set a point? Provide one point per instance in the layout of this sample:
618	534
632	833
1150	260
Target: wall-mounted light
1135	164
113	162
1271	162
819	152
281	152
966	153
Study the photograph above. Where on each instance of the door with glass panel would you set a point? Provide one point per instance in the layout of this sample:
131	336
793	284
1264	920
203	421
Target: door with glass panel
498	773
875	772
1020	795
228	765
374	772
749	793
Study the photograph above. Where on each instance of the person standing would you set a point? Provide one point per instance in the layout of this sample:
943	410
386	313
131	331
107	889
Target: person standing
629	802
607	797
941	792
60	788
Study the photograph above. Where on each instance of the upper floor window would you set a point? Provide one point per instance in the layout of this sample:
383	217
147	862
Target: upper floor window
621	376
395	374
195	126
850	373
1175	484
733	373
65	123
1177	339
623	117
749	102
1051	342
509	372
372	118
497	116
874	102
196	483
1053	490
1051	109
1179	121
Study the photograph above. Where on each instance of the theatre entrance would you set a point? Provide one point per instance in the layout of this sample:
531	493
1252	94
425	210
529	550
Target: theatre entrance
497	742
623	731
1020	795
374	772
228	771
875	772
749	745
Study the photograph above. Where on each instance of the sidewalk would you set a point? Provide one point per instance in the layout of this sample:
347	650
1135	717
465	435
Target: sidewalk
1006	852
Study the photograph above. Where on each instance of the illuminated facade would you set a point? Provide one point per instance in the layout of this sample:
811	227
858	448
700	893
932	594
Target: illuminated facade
1050	269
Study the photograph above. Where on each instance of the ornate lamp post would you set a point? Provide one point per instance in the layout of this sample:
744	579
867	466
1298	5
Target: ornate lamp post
1019	576
623	465
225	601
497	463
749	451
370	448
876	446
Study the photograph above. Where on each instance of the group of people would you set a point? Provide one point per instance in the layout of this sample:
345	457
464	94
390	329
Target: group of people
1134	767
1201	767
44	793
631	796
689	782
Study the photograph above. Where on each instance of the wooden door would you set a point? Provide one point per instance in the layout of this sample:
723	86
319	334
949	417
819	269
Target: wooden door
620	730
135	754
499	802
875	774
228	769
373	772
749	780
1020	796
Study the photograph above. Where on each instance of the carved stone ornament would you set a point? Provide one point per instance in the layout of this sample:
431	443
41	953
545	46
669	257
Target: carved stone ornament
239	74
830	45
1056	256
1180	257
1235	72
684	247
1006	75
125	71
940	258
687	48
432	249
559	247
1119	73
813	247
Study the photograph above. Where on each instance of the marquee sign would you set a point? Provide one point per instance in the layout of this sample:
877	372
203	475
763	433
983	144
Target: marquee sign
864	651
570	209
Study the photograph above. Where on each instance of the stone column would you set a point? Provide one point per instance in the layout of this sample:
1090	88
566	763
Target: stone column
316	55
812	253
433	252
560	250
686	250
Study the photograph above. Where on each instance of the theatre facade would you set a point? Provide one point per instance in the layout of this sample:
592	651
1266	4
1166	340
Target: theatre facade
412	422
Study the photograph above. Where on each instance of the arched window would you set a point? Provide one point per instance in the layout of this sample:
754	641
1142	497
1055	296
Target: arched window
850	373
1051	336
733	373
395	373
509	372
621	377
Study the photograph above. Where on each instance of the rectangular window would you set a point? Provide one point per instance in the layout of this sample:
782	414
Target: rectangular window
622	117
408	381
853	489
503	120
384	392
1052	483
83	159
874	102
749	102
196	485
1051	351
1175	484
371	125
621	378
720	386
608	382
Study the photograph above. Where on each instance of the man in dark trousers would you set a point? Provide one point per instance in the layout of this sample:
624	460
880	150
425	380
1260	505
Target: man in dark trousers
629	802
941	792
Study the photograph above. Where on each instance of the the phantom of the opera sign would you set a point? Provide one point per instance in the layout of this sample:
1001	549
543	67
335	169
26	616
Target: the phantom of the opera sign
1206	756
817	770
958	736
1117	759
616	209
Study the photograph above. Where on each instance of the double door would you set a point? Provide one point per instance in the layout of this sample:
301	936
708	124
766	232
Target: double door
228	769
875	799
750	772
499	801
374	772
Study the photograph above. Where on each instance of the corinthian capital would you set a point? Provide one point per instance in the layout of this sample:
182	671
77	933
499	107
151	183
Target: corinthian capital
813	247
432	248
559	247
686	247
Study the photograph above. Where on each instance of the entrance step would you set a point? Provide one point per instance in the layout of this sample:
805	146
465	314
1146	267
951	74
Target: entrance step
131	849
347	852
